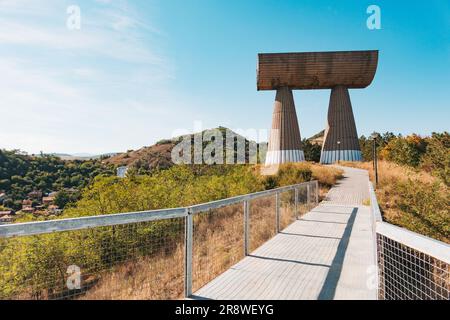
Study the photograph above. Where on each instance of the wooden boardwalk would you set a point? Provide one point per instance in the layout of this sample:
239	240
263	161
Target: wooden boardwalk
326	254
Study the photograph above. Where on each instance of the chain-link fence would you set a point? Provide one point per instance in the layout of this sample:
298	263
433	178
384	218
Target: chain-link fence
287	208
141	260
161	254
262	220
410	266
408	274
218	242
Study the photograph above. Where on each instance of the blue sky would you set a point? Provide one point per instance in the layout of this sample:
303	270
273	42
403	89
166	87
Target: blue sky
140	71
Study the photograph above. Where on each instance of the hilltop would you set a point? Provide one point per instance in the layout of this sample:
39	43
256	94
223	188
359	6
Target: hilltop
159	155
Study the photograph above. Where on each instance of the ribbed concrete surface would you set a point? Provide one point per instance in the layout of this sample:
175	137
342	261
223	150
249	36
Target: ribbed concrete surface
316	70
285	144
327	254
340	133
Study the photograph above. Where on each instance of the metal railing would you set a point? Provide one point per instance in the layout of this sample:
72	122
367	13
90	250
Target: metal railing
158	254
410	266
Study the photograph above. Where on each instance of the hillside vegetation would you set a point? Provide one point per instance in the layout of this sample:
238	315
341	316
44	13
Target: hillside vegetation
145	260
430	154
412	199
21	174
414	177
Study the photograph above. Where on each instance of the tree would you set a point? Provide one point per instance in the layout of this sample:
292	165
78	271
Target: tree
436	159
312	151
62	198
405	151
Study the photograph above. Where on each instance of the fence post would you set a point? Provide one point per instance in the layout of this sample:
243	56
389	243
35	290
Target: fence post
246	227
308	196
188	240
317	192
296	202
277	211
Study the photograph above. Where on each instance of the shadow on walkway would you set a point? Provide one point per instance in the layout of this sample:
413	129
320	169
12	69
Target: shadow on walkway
330	284
292	261
309	235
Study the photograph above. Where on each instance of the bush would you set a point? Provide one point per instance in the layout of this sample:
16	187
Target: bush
327	176
288	174
436	160
312	151
405	151
424	208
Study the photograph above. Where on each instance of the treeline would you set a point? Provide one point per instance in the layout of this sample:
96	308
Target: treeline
21	174
431	154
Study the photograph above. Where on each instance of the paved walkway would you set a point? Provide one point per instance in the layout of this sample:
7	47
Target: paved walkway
327	254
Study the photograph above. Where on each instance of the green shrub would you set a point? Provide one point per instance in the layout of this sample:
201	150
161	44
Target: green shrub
424	208
436	159
405	151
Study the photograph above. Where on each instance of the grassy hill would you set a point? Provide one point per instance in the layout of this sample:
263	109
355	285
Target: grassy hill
159	156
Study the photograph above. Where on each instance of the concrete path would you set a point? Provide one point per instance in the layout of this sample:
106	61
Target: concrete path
327	254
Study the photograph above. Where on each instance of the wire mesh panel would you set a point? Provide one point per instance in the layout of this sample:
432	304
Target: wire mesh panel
218	242
408	274
302	206
142	260
287	208
262	220
313	192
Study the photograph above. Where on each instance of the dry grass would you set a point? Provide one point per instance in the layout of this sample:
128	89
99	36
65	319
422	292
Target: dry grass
412	199
327	177
157	278
388	172
218	243
262	221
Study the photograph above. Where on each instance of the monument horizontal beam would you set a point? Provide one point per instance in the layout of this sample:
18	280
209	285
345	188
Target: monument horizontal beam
316	70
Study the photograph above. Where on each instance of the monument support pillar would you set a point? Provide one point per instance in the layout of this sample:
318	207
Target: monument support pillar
341	141
285	144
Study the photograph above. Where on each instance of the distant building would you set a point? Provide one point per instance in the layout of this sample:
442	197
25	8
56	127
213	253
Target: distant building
48	200
53	209
27	203
7	213
122	171
28	210
53	194
7	217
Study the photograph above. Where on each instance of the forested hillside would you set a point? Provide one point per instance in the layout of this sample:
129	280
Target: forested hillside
21	174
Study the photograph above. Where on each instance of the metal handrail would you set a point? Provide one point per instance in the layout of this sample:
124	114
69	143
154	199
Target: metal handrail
71	224
52	226
432	247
